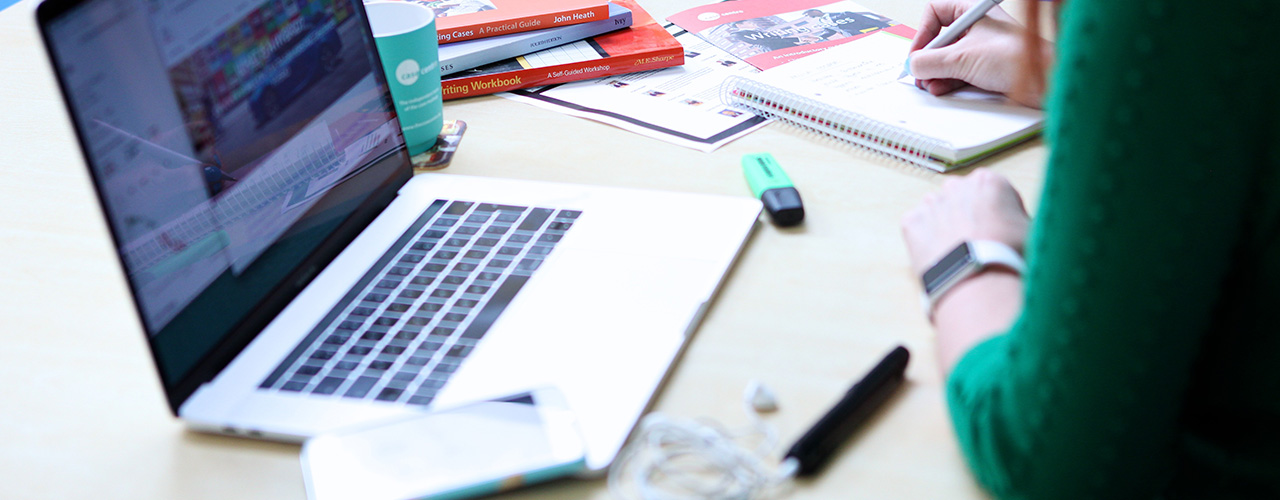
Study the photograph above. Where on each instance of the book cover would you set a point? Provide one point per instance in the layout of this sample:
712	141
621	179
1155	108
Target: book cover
459	20
460	56
768	33
642	47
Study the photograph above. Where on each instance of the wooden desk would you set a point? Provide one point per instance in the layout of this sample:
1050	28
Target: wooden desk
806	310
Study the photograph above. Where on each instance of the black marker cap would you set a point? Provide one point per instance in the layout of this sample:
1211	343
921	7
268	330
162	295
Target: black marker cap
784	205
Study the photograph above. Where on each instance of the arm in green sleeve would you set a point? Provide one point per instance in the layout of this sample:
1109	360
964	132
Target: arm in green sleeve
1142	209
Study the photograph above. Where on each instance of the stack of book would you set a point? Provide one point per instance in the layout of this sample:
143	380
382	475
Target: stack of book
489	46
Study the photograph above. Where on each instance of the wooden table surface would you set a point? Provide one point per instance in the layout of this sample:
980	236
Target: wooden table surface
806	310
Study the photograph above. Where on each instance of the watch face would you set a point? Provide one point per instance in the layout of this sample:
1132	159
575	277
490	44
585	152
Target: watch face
947	268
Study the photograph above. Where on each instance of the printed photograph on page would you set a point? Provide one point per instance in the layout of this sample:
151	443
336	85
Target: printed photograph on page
770	33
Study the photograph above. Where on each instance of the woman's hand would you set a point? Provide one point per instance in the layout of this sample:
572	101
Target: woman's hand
990	56
980	206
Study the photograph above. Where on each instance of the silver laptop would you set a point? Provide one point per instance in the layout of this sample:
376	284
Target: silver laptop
293	276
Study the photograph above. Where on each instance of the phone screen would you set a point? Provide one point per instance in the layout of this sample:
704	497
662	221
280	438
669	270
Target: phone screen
476	449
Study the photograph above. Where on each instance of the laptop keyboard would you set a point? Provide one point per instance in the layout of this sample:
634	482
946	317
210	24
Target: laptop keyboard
402	331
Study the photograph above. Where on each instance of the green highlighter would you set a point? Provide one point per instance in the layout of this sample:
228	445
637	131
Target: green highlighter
769	183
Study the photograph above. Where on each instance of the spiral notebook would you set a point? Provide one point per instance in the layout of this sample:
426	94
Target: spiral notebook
851	93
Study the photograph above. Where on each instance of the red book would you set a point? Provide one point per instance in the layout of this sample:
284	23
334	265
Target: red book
644	46
458	20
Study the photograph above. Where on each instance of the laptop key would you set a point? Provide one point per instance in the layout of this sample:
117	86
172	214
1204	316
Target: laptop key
405	376
536	218
337	339
308	370
458	207
417	362
322	355
361	387
328	385
389	394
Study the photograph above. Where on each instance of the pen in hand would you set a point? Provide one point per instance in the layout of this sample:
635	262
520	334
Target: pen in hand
811	452
953	32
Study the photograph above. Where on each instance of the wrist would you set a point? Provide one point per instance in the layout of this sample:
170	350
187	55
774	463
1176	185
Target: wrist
973	311
971	295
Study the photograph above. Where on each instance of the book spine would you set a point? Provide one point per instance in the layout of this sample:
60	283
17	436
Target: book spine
453	61
584	70
450	34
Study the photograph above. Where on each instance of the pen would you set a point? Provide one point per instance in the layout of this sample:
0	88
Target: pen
953	32
817	445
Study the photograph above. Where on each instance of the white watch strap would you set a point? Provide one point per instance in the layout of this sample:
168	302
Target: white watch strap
988	252
984	253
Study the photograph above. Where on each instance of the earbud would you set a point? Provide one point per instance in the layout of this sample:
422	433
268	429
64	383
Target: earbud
760	397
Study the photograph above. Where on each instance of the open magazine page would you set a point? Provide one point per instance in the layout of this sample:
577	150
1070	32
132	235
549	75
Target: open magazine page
769	33
680	105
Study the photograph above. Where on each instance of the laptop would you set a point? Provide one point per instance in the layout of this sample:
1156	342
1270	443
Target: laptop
293	277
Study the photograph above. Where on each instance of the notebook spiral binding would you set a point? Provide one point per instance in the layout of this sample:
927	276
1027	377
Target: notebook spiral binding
846	126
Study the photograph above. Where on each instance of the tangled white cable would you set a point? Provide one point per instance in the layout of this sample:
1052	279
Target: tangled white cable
676	459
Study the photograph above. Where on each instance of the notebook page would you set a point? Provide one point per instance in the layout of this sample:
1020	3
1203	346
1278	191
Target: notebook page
860	76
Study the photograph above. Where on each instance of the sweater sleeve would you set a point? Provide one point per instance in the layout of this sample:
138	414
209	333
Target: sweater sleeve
1145	199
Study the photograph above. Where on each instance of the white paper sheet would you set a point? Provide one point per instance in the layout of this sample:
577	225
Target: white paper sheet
680	105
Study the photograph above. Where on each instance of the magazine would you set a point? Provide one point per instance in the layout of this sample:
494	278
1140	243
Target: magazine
768	33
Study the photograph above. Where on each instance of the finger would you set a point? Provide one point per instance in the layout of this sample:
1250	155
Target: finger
937	14
931	64
944	86
984	174
1003	184
992	180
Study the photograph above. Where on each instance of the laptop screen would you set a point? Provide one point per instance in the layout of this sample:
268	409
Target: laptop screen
231	142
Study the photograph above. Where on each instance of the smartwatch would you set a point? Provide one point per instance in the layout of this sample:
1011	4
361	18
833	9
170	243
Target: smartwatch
967	259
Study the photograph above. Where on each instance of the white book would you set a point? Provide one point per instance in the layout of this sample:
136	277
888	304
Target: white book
851	92
461	56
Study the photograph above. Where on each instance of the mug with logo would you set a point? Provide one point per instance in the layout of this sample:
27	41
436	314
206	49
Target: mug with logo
405	34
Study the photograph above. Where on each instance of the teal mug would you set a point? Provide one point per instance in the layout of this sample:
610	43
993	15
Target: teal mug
405	34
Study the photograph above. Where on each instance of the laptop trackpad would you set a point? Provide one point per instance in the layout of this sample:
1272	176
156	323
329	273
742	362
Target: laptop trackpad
589	315
600	330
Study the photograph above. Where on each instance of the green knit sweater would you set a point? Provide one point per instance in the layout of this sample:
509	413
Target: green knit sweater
1146	363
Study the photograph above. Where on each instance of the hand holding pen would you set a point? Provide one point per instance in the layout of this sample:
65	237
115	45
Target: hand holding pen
986	50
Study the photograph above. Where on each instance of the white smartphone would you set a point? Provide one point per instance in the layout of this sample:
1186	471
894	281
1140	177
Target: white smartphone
471	450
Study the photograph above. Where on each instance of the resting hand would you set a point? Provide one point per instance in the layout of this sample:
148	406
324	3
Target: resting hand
990	56
980	206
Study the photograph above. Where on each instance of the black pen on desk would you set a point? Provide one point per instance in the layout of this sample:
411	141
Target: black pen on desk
816	446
